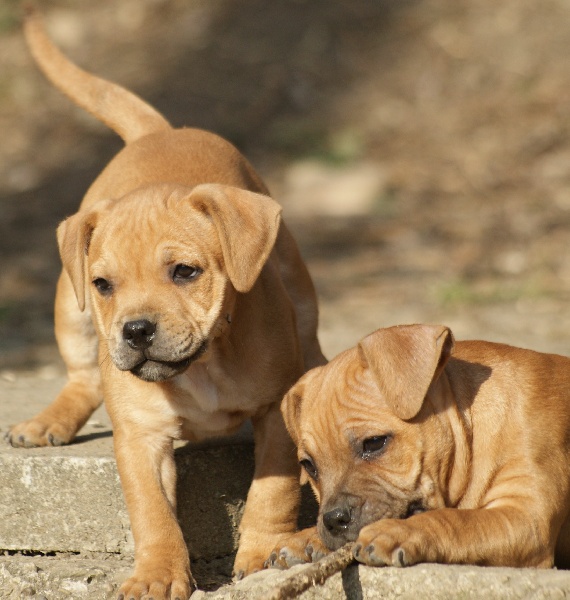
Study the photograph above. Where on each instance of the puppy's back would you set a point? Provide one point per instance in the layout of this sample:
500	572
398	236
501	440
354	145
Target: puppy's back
514	381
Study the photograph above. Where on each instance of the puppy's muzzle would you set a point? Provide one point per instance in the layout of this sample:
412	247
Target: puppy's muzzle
151	357
342	523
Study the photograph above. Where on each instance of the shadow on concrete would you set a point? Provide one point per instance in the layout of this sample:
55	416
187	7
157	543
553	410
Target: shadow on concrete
100	435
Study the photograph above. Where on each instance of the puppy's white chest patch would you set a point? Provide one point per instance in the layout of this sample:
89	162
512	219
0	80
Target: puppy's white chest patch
198	390
202	406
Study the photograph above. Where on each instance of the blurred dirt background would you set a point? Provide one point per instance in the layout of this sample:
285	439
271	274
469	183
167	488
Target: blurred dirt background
420	148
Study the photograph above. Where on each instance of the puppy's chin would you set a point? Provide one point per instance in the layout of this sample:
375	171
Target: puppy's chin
153	370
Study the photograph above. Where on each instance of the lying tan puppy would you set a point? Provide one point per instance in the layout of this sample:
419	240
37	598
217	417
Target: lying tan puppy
183	302
421	455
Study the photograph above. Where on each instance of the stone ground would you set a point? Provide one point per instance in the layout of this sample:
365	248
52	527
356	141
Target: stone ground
420	148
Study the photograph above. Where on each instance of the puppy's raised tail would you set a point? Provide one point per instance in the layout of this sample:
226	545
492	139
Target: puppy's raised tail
122	111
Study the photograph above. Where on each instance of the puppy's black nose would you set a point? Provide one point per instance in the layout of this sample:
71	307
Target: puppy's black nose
337	520
139	334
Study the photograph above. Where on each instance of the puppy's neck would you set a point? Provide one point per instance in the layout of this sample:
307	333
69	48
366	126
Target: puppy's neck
455	424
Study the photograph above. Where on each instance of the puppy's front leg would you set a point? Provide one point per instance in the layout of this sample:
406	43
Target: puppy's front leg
61	420
501	536
273	500
146	466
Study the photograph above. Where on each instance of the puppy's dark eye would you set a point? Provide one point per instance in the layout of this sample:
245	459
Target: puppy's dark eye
374	445
185	273
310	468
103	286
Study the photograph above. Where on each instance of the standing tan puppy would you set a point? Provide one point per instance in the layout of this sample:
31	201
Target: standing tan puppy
421	455
185	304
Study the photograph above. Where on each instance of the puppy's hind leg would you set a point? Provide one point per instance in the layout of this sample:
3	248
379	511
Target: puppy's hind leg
81	395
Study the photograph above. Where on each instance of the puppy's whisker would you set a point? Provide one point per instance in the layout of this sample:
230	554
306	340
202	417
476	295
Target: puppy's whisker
106	358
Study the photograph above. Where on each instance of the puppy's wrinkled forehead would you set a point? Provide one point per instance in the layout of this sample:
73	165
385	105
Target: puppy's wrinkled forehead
154	222
337	398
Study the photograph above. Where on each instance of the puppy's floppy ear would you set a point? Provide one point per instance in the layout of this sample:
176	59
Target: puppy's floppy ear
73	238
405	360
247	225
291	410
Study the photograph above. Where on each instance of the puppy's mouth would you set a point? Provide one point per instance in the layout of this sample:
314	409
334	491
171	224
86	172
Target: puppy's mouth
152	369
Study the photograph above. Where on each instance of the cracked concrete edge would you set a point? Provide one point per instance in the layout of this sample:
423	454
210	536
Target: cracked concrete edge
437	582
65	578
61	578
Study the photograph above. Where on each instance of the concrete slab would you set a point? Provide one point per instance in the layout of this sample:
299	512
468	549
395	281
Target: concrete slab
69	499
61	577
65	578
436	582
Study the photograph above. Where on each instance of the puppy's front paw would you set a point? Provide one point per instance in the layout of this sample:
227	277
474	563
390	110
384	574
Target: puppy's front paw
250	559
158	583
283	550
301	547
390	542
39	432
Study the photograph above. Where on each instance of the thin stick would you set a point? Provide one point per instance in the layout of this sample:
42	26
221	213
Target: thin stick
316	574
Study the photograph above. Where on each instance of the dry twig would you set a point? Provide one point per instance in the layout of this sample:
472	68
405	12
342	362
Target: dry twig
316	574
